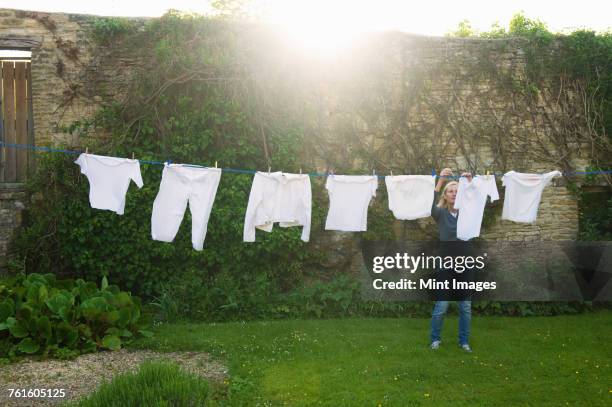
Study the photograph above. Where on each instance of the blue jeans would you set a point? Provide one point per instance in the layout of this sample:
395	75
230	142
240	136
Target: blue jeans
465	316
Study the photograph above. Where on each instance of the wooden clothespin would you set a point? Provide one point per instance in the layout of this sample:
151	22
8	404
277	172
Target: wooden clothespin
86	150
269	169
300	170
391	172
132	155
215	164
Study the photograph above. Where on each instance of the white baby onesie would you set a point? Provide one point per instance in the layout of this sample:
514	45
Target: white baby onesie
278	197
181	184
470	201
109	179
523	194
349	197
410	196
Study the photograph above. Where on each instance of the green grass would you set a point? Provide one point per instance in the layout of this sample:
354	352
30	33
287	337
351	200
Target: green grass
156	384
563	360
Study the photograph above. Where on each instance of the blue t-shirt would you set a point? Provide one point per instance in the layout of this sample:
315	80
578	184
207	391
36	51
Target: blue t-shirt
447	222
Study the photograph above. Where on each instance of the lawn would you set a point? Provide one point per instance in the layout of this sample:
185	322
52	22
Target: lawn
563	360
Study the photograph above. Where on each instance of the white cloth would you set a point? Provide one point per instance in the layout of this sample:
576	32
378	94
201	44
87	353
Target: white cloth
410	196
278	197
470	201
109	179
523	194
181	184
349	197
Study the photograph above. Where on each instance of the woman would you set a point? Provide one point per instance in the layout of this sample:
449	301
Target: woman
445	216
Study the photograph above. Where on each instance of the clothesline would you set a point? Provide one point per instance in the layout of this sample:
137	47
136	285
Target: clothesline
242	171
286	199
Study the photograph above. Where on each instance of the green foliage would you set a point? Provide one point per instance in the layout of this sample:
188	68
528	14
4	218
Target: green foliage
521	25
155	384
581	55
496	31
464	29
566	64
595	215
526	308
198	103
40	314
234	9
588	55
340	297
106	29
195	105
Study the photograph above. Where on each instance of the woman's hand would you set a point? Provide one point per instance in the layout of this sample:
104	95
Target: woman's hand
447	172
467	175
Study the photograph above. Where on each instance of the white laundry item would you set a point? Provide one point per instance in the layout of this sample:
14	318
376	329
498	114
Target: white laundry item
523	194
410	196
470	201
181	184
349	198
278	197
109	179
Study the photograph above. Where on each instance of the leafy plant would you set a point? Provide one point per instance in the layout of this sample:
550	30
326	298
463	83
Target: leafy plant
40	314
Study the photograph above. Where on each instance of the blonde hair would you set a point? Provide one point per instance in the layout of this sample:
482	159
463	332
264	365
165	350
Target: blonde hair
442	203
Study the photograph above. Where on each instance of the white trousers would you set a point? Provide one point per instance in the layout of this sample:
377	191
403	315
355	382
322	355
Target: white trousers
181	184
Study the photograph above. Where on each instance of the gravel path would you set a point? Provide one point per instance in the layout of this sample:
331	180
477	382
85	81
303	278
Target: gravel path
84	374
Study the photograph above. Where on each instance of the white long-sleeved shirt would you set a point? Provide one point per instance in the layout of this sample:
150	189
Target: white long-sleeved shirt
470	201
278	197
410	196
349	197
109	179
523	194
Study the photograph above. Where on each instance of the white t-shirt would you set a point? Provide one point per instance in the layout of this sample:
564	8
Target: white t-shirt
523	194
410	196
278	197
109	179
470	201
349	197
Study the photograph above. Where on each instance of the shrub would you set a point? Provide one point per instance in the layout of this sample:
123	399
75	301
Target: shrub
40	314
155	384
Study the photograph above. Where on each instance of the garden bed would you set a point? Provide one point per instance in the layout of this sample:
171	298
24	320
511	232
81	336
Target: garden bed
84	374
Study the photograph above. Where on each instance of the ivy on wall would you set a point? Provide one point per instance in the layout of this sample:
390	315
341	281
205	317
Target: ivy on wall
208	94
194	105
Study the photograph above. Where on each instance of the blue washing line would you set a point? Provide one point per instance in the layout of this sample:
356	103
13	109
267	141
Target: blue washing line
240	171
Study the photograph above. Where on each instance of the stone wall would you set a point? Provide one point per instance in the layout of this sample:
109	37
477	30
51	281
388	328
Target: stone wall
370	99
71	78
71	75
13	199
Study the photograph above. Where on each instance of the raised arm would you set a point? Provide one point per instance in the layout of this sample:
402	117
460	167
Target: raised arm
435	211
442	179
